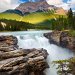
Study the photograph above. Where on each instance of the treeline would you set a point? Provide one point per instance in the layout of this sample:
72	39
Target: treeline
13	25
44	25
64	23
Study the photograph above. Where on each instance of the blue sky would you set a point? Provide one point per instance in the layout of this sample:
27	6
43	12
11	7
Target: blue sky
11	4
27	0
64	0
23	0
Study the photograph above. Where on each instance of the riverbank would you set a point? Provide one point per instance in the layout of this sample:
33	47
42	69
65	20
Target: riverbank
65	39
18	61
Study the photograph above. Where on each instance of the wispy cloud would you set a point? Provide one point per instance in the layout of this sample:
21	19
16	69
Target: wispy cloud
64	4
71	3
54	2
8	4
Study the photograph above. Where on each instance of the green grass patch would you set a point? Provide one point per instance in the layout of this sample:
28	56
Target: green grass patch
33	18
10	16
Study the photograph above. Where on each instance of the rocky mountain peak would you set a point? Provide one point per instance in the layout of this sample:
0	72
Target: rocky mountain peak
34	6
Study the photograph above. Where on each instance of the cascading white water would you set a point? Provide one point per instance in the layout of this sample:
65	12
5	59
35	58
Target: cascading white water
29	41
35	39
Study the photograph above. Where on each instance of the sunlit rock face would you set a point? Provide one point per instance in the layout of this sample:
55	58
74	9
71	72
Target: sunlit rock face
41	5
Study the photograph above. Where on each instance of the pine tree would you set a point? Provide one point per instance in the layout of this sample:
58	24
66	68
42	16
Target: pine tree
70	19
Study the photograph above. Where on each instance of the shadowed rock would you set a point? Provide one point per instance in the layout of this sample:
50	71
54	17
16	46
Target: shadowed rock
61	38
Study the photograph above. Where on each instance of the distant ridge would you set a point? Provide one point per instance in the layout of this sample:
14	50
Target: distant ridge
15	11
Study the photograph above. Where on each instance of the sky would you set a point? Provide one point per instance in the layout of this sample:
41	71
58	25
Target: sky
11	4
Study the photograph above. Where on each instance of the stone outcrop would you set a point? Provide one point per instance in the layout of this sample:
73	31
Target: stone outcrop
18	61
61	38
67	41
8	43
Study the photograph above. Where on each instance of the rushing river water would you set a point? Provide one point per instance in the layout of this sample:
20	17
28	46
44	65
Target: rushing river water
35	39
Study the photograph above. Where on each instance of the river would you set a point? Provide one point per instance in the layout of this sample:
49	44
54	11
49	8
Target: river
35	39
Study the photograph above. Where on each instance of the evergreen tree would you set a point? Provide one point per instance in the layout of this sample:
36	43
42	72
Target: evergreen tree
70	19
70	14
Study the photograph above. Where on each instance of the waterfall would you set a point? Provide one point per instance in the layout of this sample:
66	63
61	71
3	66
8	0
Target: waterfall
37	40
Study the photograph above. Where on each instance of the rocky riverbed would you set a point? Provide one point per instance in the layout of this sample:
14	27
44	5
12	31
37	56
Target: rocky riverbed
18	61
61	38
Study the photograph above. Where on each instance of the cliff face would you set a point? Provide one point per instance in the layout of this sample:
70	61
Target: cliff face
61	38
16	61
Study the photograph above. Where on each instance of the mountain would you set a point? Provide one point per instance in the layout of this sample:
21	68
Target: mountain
34	6
61	11
41	8
15	11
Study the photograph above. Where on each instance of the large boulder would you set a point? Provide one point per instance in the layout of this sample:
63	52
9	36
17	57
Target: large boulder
54	37
20	61
67	41
10	40
8	43
61	38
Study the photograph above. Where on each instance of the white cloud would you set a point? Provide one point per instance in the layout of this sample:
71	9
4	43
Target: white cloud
60	3
8	4
54	2
71	3
64	6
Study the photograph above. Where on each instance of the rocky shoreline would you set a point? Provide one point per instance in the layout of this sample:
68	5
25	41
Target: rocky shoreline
18	61
61	38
